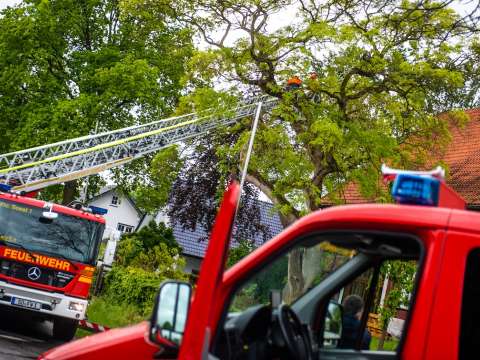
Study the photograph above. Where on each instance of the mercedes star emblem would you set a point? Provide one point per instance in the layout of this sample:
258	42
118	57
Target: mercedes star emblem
34	273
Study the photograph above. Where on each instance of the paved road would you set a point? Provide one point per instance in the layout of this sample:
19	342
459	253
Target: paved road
22	337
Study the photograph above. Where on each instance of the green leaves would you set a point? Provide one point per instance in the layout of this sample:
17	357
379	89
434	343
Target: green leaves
383	70
70	67
163	172
142	261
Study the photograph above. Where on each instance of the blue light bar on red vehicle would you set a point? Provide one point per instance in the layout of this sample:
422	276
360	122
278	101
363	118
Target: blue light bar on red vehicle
416	190
98	210
5	188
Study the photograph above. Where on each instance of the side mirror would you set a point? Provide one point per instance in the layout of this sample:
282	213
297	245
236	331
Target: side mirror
170	313
333	325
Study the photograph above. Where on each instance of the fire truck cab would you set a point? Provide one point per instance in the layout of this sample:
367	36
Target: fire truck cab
47	259
308	292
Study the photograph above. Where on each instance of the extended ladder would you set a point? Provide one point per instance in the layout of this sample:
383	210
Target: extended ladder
42	166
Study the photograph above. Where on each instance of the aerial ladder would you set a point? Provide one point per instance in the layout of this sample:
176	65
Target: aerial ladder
36	168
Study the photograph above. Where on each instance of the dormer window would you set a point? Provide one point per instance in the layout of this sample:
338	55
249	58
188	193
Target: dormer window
115	200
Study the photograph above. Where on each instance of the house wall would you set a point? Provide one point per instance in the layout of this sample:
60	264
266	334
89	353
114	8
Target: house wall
124	213
191	264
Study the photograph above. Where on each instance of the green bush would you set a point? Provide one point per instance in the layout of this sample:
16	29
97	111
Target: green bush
133	286
143	260
147	238
137	283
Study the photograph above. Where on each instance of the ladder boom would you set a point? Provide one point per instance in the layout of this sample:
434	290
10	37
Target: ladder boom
36	168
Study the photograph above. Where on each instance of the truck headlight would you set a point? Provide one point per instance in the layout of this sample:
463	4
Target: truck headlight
76	306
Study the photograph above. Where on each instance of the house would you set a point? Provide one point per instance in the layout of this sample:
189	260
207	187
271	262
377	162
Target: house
123	215
462	156
194	243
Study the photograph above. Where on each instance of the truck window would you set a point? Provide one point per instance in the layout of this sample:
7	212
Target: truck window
71	237
353	275
470	320
317	261
385	312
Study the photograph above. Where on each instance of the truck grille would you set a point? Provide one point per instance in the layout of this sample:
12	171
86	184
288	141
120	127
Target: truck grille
45	276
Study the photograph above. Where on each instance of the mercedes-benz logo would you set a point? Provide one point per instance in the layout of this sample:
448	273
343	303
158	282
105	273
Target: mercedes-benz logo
34	273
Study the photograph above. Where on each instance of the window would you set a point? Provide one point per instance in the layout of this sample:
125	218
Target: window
373	308
351	291
318	262
124	228
115	200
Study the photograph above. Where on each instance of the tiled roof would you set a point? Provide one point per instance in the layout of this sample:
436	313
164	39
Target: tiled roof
462	156
194	243
463	159
351	195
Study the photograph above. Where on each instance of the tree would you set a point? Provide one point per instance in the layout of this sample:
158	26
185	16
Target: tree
401	275
237	253
69	68
139	248
375	74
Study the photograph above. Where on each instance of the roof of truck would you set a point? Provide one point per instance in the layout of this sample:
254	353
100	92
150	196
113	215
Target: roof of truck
58	208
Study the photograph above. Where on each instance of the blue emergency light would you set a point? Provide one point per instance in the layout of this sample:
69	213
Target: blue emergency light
98	210
5	188
416	190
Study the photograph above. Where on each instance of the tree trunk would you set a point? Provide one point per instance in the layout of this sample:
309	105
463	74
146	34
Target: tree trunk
296	283
381	341
69	192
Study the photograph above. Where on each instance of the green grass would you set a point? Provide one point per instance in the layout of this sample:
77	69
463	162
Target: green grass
388	345
104	312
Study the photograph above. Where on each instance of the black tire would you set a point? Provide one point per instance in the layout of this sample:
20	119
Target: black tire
64	329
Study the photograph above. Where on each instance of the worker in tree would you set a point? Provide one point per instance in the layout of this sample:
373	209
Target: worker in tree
294	83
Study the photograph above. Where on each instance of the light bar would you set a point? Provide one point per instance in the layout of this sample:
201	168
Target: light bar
390	173
5	188
416	190
98	210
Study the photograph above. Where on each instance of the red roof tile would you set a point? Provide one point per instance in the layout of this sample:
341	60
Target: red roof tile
462	156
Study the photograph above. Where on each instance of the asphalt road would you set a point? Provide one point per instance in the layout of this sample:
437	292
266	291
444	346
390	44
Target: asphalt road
22	336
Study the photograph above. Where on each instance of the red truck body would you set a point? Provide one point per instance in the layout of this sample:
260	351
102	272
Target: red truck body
47	265
432	330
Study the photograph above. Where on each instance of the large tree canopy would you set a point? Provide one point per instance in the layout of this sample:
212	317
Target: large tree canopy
71	67
375	75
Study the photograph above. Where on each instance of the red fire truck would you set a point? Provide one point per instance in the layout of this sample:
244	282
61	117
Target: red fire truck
47	259
264	308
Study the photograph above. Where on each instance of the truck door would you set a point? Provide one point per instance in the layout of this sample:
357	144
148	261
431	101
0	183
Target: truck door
455	321
197	334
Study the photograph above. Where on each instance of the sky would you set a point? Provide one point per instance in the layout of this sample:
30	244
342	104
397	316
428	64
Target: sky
5	3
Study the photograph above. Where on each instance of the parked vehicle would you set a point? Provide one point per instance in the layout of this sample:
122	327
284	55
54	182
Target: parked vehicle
47	259
287	299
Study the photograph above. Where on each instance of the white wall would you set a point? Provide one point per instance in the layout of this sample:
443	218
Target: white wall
192	263
125	213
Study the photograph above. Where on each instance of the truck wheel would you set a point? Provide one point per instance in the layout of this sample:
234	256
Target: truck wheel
64	329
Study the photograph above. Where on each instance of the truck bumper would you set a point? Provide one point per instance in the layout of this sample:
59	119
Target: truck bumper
53	304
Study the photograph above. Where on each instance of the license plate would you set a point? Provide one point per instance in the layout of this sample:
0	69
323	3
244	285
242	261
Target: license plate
26	303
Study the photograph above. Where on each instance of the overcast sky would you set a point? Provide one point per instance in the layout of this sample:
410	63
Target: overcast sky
5	3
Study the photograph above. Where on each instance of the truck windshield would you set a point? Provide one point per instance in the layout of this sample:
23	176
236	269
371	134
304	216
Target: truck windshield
66	236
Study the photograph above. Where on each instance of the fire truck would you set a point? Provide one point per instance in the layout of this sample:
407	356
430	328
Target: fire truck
260	309
48	252
47	258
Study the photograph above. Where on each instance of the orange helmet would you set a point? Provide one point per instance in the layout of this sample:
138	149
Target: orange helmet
294	80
